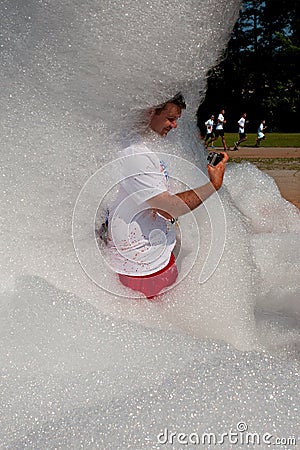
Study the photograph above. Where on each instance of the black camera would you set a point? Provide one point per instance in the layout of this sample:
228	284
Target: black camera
214	158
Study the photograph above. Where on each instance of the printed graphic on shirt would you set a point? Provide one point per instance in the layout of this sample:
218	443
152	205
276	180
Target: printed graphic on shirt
163	169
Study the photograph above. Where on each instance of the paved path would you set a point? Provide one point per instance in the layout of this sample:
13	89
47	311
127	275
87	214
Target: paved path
288	182
265	152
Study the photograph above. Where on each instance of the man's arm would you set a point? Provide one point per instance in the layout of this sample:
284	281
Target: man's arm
175	205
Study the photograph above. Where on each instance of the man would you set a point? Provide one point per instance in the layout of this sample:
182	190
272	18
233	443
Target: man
142	221
209	131
219	132
242	134
260	133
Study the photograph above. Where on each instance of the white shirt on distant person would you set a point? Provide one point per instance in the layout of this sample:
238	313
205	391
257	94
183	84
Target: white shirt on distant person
241	123
220	122
209	126
260	134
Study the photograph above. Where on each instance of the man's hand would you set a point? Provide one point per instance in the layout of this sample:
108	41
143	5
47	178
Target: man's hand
175	205
216	173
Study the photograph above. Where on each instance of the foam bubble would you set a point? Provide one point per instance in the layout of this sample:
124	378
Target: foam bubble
83	367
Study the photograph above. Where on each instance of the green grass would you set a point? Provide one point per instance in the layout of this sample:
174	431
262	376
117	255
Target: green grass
272	140
272	164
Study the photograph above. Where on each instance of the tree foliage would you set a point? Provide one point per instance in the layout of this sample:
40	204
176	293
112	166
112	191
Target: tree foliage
260	73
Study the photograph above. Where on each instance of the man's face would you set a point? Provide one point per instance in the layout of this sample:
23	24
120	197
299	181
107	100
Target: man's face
164	121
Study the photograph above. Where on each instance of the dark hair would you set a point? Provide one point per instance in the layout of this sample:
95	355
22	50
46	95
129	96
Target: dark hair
178	100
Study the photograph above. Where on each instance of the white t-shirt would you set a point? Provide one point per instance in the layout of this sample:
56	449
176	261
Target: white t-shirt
220	124
140	240
260	134
241	123
209	126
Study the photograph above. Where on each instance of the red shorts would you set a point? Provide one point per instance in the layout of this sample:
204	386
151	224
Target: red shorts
152	285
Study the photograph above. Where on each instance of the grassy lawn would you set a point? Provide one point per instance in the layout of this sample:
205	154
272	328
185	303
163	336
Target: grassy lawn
272	140
272	164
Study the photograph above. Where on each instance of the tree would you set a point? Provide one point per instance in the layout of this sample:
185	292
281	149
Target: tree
260	74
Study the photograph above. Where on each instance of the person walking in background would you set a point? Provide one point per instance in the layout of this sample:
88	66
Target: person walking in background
220	130
260	133
242	135
209	131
